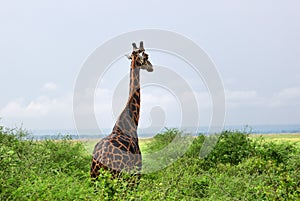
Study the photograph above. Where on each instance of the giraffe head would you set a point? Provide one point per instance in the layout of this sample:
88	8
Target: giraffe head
140	58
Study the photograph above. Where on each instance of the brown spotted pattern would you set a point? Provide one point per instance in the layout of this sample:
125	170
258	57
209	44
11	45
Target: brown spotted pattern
120	150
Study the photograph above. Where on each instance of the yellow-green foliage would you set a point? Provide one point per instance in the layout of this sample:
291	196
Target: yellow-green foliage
239	168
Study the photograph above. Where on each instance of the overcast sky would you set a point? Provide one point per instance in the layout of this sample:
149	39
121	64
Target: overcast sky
255	46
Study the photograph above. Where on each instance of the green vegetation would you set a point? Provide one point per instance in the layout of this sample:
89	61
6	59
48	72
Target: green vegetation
239	168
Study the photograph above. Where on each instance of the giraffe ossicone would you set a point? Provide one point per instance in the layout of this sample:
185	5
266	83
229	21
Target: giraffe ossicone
119	151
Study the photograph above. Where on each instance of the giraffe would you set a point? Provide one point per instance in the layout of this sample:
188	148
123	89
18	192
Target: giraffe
120	150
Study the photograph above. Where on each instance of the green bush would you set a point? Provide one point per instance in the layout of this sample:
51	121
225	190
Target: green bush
239	168
40	169
161	140
232	147
278	152
195	147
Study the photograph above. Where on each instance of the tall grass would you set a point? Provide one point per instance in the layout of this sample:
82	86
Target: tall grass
239	168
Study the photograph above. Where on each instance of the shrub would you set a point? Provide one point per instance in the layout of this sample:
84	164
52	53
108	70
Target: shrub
161	140
195	147
165	148
237	169
279	152
232	147
38	169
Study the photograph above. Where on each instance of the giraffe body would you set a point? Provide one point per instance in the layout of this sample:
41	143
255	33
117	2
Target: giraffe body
118	153
120	150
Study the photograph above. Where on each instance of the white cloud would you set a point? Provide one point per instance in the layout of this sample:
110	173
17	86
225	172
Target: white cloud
290	93
204	100
286	97
41	113
251	107
240	95
38	107
251	98
102	100
237	99
44	111
49	86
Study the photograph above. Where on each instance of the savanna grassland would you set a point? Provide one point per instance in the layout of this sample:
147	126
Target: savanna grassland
240	167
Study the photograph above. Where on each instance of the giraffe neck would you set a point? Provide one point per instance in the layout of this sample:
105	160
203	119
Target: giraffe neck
128	120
